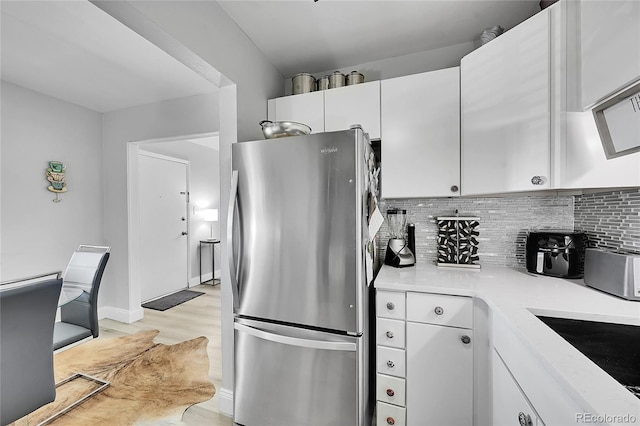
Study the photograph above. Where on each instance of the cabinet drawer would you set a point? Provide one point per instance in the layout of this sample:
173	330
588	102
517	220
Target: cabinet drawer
390	389
390	361
390	304
390	415
390	332
440	309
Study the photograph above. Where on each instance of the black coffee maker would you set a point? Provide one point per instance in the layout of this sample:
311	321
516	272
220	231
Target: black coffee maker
556	253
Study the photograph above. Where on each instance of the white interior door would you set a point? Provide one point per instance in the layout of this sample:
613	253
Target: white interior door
162	194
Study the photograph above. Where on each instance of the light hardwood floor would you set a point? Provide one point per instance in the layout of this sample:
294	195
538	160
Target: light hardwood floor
197	317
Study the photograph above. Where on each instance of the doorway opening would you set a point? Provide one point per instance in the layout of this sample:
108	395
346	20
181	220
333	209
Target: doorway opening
155	236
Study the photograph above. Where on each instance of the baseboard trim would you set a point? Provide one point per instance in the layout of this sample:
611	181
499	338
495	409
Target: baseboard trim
121	315
205	277
225	402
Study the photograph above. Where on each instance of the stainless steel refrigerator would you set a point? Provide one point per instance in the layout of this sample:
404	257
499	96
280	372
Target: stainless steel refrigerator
298	219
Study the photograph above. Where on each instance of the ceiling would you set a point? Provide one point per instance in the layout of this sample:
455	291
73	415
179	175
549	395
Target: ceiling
74	51
307	36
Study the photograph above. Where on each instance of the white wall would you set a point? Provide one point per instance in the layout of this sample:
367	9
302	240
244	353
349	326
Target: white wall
204	191
178	117
430	60
38	235
204	28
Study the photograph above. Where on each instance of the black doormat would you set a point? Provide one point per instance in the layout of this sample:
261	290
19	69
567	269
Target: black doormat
172	300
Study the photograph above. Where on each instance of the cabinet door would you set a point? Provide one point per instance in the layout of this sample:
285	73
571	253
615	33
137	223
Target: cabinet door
439	375
358	104
509	403
610	47
421	134
505	95
307	108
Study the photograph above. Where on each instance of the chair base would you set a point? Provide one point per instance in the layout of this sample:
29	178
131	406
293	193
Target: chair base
103	385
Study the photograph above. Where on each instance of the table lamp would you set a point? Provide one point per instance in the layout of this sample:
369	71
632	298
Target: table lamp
210	215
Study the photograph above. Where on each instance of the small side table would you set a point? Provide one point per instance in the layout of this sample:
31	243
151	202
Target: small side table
213	243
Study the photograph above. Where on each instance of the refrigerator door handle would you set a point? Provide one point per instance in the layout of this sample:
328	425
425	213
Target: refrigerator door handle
233	273
295	341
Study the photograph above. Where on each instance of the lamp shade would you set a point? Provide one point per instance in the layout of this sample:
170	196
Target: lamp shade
210	215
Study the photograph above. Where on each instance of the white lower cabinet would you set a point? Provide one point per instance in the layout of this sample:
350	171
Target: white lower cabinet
510	405
439	375
390	415
424	362
391	390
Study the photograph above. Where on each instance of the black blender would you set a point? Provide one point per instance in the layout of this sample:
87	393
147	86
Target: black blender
398	253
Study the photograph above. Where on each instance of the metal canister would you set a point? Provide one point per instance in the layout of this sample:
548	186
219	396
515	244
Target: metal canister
336	80
323	83
303	83
354	77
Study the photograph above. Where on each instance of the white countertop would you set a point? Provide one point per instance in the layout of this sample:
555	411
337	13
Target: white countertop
518	296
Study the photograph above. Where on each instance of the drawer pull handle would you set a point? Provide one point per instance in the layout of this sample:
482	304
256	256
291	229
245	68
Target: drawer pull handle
390	364
390	306
391	420
390	392
438	310
524	419
466	339
389	334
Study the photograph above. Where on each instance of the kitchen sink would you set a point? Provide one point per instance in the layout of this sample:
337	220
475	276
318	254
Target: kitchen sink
613	347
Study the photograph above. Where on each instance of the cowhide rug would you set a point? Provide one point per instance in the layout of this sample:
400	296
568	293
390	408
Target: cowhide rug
148	381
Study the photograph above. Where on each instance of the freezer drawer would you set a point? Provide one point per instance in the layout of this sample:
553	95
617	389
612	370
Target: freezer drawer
290	376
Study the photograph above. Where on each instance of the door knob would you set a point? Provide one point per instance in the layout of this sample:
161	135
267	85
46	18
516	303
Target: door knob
185	233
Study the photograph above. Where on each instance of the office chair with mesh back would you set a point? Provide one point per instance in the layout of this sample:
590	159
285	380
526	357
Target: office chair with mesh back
80	316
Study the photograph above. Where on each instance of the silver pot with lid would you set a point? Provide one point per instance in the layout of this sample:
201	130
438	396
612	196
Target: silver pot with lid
337	79
323	83
354	77
303	83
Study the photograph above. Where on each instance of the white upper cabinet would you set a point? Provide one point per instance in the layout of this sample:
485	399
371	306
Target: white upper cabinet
357	104
420	118
583	163
610	47
307	108
505	101
579	158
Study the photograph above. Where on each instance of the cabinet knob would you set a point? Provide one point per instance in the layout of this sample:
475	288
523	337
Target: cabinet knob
390	364
524	419
438	310
466	339
390	392
389	334
454	188
390	306
537	180
391	420
185	233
